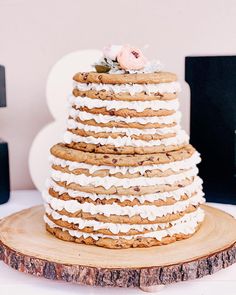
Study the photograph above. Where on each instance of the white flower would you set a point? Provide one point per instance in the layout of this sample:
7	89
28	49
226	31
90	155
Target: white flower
152	66
112	51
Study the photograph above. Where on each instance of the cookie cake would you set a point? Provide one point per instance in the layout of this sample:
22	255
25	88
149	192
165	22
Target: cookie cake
125	174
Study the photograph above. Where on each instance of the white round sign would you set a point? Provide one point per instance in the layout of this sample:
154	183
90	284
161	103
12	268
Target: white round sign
59	87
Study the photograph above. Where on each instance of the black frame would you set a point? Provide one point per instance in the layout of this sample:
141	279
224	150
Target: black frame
212	80
4	155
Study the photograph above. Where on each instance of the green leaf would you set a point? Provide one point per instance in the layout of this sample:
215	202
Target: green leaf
102	68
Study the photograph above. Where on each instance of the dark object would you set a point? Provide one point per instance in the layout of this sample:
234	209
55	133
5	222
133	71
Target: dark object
4	173
2	87
213	122
4	159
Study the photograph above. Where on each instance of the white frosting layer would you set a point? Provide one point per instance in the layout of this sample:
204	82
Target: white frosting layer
72	124
138	106
83	116
188	190
171	87
109	181
179	228
151	212
180	138
116	228
173	166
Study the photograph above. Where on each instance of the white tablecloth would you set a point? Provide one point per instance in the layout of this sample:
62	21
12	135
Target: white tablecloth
14	282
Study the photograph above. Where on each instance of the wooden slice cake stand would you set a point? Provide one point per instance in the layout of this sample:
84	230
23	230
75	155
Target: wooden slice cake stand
26	246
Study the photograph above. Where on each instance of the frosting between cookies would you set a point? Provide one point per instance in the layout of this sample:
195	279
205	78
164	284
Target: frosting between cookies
138	106
171	87
174	166
116	228
187	190
72	124
151	212
184	228
108	181
180	138
100	118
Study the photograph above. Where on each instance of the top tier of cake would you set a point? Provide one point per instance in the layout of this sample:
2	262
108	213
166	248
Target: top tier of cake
125	113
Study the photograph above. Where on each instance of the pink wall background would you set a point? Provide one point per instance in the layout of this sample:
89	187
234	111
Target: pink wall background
35	34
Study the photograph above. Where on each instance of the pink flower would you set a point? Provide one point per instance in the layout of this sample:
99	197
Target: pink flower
111	51
131	58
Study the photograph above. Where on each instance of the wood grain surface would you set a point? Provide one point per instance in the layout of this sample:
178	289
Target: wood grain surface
26	246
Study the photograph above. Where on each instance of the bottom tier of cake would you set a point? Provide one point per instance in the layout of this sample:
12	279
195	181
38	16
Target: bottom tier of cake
92	232
123	201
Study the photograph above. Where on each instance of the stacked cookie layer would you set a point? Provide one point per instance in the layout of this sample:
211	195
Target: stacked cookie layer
125	175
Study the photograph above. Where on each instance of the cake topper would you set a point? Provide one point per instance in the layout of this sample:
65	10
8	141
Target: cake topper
120	59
